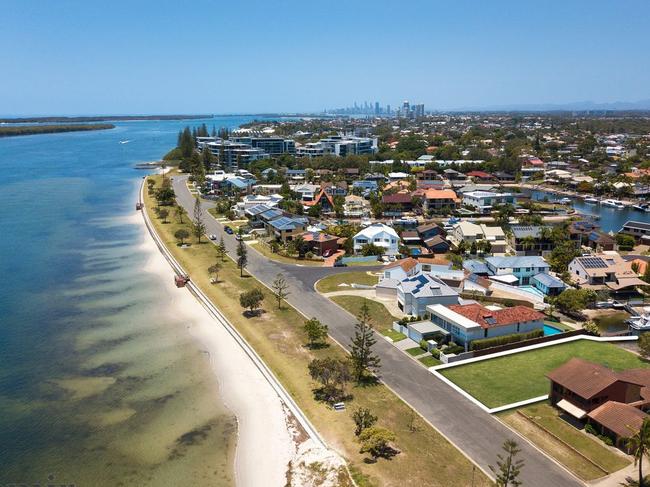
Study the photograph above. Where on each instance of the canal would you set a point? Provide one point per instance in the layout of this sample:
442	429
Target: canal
609	219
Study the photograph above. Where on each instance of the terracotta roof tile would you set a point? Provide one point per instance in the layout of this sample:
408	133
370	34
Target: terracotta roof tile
406	264
489	319
621	418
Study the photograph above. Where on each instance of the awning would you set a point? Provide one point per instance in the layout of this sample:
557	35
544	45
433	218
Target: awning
626	282
574	411
507	278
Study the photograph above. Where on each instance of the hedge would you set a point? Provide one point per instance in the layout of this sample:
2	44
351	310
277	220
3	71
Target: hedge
505	339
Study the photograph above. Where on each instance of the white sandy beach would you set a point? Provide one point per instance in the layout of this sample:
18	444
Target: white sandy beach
264	444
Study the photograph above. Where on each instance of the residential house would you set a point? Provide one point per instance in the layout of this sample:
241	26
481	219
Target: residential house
286	228
529	240
433	238
321	243
547	284
356	207
469	322
484	202
607	270
480	176
417	292
397	204
323	199
516	270
402	269
436	200
613	402
639	230
469	233
380	235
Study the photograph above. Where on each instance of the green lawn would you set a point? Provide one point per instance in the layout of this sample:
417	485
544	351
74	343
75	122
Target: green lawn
415	351
546	416
331	283
396	336
520	376
264	249
429	361
381	318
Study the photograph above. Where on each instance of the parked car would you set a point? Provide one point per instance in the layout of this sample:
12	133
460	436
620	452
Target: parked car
340	263
228	230
238	237
212	236
327	253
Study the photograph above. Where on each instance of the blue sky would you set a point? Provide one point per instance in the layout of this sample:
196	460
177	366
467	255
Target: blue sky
117	57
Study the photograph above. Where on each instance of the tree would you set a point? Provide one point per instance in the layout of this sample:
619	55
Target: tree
591	327
644	344
575	300
504	212
315	211
363	358
163	213
562	255
333	375
363	419
198	227
221	249
508	469
639	446
214	270
165	194
179	211
242	256
376	441
251	300
316	332
280	289
181	234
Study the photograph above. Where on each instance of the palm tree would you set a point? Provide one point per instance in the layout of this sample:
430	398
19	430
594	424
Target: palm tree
639	446
528	242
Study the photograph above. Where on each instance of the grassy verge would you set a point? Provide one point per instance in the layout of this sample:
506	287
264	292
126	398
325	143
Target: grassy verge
414	352
331	283
396	336
426	457
521	376
546	416
380	316
264	249
429	361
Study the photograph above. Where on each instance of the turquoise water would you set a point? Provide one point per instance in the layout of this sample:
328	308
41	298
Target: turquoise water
100	383
531	290
551	330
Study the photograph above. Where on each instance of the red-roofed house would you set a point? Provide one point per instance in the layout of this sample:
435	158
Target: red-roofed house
397	203
469	322
321	243
323	199
435	200
480	176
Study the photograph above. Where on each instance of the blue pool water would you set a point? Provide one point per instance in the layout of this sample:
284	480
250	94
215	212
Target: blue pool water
532	290
551	330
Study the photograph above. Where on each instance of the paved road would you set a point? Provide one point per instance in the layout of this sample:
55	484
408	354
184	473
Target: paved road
471	429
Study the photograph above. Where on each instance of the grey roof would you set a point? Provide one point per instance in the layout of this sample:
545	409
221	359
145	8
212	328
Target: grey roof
523	231
286	223
426	327
424	285
271	214
516	261
258	209
636	224
549	281
476	267
387	283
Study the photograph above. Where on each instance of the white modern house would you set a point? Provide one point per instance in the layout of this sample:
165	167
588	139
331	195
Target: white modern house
486	201
380	235
417	292
469	232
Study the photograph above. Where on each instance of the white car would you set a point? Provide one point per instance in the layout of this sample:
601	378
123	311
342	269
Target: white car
212	236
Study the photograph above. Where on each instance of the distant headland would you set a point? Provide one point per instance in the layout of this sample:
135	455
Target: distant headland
101	118
15	130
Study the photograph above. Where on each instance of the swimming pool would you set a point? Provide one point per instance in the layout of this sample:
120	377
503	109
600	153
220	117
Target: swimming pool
551	330
532	290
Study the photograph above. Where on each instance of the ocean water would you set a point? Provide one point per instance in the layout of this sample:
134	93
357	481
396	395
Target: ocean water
100	382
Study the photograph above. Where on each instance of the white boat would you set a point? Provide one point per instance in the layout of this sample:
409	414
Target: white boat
591	201
124	141
642	207
619	205
565	201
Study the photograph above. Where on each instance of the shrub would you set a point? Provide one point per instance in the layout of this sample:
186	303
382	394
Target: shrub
484	343
309	255
436	353
590	429
424	345
455	349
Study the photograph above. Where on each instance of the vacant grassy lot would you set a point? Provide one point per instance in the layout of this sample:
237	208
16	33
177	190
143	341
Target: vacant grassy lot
546	416
429	361
396	336
426	458
381	318
517	377
331	283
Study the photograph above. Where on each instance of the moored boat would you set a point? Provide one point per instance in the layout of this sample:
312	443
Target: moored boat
619	205
590	200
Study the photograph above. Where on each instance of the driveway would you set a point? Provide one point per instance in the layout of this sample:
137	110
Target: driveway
475	432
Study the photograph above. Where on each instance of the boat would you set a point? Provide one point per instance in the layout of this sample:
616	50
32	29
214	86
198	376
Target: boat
124	141
591	200
619	205
642	207
565	201
147	165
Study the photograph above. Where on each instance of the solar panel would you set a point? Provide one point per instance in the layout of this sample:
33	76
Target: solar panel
593	263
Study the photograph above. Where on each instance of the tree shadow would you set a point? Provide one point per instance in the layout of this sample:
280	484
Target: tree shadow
368	380
253	314
331	395
317	346
386	453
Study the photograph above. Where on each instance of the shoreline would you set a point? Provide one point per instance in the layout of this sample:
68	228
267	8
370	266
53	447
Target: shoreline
243	389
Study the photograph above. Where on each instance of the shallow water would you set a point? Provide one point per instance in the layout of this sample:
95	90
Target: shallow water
100	381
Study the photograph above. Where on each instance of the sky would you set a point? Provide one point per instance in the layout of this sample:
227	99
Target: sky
160	57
